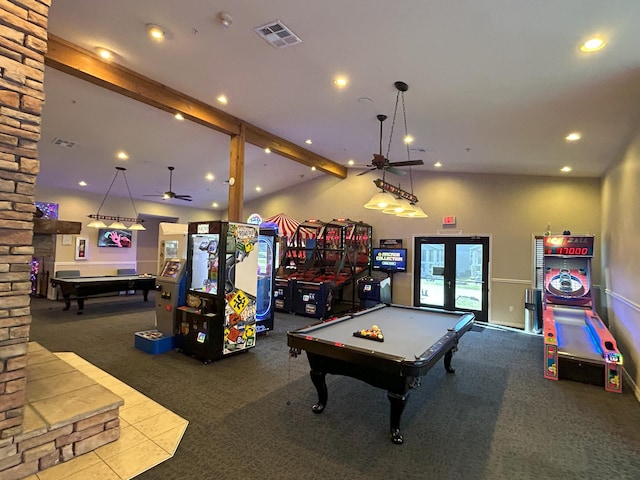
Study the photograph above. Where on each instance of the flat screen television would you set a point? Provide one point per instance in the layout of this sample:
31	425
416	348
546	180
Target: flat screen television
108	237
390	259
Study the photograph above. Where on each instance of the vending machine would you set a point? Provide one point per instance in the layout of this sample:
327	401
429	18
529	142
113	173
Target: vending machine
267	255
219	317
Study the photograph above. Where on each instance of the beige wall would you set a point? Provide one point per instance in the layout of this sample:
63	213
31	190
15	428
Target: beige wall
509	209
75	206
621	255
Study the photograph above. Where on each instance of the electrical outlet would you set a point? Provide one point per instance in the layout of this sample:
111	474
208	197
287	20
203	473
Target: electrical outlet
511	309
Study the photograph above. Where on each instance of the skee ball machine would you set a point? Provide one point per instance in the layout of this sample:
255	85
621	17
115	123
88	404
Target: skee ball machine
219	317
577	344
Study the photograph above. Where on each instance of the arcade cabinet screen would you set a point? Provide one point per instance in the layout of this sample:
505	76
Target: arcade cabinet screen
390	259
114	238
170	269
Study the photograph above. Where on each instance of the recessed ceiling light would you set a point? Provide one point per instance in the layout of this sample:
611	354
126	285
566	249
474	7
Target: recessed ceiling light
573	136
178	116
210	177
408	139
341	82
267	150
105	53
122	155
351	162
313	169
156	32
308	141
258	189
437	164
592	45
82	183
223	99
214	204
565	169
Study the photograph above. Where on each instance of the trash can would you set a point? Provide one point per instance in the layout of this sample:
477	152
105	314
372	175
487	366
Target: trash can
533	310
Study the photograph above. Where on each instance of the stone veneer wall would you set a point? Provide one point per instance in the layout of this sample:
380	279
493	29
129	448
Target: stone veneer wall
23	43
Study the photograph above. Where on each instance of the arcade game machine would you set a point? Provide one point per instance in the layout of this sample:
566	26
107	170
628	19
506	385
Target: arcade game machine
171	293
172	242
267	255
297	258
376	289
341	255
578	346
219	317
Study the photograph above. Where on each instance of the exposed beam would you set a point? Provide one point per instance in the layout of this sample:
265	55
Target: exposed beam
81	63
236	171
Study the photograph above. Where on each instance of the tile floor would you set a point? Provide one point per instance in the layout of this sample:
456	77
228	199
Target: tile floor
149	432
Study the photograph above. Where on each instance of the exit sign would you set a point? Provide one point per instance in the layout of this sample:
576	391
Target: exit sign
449	220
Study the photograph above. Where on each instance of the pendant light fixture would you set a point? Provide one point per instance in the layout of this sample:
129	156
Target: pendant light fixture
391	199
116	221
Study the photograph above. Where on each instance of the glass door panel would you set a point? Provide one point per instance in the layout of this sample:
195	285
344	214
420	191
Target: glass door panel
453	273
432	274
468	291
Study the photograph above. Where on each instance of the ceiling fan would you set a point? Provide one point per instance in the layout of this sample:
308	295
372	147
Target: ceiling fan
379	162
169	194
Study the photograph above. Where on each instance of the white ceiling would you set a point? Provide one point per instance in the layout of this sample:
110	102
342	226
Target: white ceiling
494	86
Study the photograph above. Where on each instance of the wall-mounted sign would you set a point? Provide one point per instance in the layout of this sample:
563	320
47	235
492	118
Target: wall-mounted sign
254	219
449	220
390	243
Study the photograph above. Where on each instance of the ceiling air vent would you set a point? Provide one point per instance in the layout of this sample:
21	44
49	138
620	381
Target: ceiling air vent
278	34
420	149
64	143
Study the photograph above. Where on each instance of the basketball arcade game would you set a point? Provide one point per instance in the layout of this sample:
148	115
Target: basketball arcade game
320	267
577	344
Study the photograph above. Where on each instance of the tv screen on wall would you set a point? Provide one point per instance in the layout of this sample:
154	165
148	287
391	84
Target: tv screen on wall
114	238
390	259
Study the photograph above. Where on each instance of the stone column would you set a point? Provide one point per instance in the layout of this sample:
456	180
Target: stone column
23	43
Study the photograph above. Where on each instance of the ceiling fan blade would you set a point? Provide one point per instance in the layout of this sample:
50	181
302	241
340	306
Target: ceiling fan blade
366	171
395	171
153	195
186	198
406	163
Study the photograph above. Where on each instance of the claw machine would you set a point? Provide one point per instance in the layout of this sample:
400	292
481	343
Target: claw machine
219	317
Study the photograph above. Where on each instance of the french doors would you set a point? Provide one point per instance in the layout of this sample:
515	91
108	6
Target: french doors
452	274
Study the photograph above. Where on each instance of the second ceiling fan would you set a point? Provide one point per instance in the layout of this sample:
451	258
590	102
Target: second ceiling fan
169	194
379	161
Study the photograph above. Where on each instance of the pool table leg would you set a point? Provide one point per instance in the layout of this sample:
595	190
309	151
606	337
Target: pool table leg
80	301
145	295
67	301
318	379
447	361
397	407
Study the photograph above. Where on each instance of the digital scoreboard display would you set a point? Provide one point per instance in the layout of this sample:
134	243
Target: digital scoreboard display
568	245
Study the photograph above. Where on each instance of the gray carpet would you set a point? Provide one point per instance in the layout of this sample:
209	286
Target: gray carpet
250	417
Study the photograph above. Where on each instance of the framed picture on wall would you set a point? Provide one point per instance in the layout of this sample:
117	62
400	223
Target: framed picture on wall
82	248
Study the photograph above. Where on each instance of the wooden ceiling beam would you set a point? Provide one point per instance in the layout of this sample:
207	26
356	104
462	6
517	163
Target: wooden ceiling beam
83	64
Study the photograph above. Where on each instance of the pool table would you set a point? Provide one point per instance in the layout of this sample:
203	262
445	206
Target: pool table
82	287
414	339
